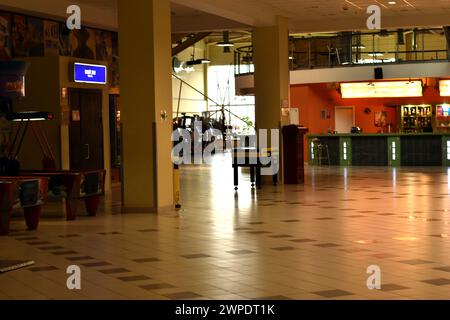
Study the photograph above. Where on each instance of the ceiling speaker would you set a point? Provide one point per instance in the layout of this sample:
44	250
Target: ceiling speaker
379	73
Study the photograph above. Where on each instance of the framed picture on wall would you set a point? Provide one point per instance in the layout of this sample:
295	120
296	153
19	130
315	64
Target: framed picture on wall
380	118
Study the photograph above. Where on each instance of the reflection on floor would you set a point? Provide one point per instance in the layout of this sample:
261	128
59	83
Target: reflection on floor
282	242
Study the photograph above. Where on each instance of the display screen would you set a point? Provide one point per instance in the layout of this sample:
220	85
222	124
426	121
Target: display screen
12	78
90	73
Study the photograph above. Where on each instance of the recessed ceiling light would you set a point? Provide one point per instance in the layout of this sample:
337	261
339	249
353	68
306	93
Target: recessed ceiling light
376	54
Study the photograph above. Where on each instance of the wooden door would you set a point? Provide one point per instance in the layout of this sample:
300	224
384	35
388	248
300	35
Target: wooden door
344	119
86	129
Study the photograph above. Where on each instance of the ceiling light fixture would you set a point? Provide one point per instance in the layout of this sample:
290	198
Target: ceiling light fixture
197	62
392	2
226	40
353	4
194	61
444	88
408	3
381	4
381	89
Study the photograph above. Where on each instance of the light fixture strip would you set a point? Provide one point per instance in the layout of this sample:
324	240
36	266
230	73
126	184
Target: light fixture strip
444	88
386	89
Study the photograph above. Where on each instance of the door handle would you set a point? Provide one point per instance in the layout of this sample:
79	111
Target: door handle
88	151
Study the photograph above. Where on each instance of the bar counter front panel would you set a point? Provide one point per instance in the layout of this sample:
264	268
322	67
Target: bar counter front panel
421	149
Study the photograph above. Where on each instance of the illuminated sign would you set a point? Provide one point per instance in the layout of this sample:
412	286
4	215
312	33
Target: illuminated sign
386	89
444	88
90	73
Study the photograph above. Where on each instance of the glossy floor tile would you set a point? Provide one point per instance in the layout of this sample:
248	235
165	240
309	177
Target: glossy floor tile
311	241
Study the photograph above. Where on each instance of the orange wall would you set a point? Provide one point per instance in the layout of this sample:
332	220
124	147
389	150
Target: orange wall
312	99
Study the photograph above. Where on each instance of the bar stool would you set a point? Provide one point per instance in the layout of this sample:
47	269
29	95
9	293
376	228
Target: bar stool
321	152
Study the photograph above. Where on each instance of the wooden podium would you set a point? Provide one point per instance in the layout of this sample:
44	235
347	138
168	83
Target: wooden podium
293	159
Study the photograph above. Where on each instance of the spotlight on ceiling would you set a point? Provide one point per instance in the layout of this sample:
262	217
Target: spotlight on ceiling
226	40
197	62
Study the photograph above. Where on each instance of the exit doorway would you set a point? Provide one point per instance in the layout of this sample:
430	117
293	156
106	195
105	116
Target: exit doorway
86	129
344	119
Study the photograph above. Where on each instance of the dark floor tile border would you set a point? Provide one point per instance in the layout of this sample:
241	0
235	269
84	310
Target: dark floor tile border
134	278
27	238
38	243
146	260
114	271
156	286
64	253
182	295
96	264
50	248
196	256
43	269
333	293
272	298
80	258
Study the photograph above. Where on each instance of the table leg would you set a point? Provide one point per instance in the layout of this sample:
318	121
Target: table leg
32	215
71	209
252	175
5	208
92	204
235	177
258	177
4	222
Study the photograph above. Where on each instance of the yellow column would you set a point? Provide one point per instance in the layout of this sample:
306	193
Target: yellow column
271	58
146	94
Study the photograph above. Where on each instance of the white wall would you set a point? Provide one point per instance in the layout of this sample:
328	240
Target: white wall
405	71
414	70
191	101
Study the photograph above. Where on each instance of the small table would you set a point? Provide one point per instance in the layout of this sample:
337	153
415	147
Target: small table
249	157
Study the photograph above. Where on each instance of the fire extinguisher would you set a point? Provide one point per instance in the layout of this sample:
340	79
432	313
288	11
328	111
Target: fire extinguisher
176	186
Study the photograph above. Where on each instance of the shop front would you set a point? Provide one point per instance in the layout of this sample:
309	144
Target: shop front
376	123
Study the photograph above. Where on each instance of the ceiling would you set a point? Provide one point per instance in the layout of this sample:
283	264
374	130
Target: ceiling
304	15
327	15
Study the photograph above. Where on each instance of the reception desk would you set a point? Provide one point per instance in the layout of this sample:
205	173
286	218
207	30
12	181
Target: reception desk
425	149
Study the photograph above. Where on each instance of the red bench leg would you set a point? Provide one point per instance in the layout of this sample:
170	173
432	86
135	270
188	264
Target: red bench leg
92	204
32	215
4	222
71	209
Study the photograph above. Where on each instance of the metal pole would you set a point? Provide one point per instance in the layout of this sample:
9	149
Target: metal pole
179	99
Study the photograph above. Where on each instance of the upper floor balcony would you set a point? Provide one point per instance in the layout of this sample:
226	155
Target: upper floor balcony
347	49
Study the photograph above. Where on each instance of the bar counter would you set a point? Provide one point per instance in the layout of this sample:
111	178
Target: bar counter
393	149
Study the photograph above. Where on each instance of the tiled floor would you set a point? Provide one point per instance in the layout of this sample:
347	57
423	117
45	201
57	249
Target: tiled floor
312	241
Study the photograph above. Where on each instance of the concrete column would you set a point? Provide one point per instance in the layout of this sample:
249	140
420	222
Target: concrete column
271	58
146	104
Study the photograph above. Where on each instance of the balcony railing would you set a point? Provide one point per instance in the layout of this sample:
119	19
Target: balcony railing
357	48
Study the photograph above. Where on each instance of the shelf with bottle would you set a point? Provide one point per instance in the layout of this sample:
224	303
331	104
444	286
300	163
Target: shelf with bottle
416	118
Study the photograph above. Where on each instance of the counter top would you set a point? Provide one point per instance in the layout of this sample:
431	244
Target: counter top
375	134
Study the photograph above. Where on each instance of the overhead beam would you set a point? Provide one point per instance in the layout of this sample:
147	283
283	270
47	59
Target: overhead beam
189	42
